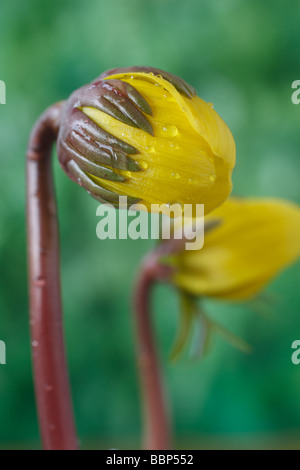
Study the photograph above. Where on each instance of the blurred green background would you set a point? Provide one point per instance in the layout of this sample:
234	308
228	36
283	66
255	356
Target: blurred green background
241	55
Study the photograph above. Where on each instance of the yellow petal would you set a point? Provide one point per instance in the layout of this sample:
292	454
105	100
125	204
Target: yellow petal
256	239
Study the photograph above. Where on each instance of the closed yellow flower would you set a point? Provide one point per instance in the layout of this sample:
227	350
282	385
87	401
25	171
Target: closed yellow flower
255	240
179	150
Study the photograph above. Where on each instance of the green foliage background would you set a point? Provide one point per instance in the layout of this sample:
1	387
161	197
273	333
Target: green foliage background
242	56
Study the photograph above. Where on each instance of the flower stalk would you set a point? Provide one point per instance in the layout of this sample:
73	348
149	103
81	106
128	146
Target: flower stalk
157	429
52	387
157	435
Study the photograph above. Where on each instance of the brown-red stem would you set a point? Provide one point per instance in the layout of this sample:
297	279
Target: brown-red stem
52	388
156	417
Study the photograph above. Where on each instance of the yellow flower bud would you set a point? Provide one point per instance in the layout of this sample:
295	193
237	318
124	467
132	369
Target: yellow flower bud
255	240
185	156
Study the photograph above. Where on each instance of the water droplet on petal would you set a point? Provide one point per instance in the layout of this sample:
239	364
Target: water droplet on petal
143	165
127	174
169	130
35	344
150	149
212	178
173	146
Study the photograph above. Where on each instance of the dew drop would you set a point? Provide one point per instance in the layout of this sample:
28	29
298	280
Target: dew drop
35	344
173	146
176	176
169	131
40	282
212	178
48	387
127	174
150	149
143	165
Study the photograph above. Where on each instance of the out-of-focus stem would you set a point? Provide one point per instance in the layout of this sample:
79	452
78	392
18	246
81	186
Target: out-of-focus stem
156	419
52	388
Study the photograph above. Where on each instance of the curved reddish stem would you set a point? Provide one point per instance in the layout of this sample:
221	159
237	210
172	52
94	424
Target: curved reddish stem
50	369
156	417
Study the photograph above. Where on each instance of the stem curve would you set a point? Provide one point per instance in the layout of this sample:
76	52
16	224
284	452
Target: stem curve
156	416
51	380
